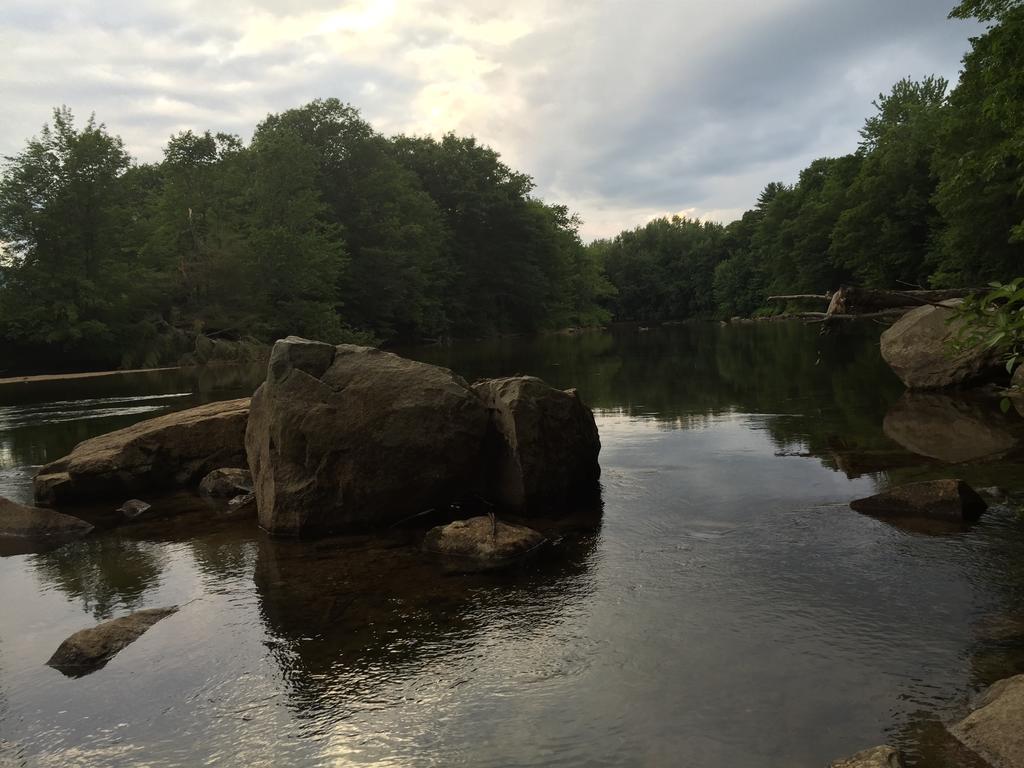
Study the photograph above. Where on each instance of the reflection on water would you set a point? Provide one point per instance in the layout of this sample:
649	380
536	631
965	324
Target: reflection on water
105	573
729	610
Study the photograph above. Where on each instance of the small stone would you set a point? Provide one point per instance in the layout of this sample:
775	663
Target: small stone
90	649
226	482
242	503
133	508
878	757
482	543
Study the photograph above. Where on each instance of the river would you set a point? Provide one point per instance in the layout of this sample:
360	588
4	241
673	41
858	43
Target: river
731	610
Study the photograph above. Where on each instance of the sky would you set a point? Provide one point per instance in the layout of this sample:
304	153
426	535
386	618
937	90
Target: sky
623	110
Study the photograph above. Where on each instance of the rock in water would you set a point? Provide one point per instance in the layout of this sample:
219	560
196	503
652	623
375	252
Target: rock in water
22	522
90	649
242	504
879	757
171	450
348	438
481	543
949	500
917	348
995	729
545	444
133	508
226	482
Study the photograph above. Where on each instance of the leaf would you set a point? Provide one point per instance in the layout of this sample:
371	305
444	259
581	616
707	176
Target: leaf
1004	405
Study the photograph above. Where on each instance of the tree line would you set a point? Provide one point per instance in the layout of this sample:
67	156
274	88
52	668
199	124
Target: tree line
321	226
318	226
932	197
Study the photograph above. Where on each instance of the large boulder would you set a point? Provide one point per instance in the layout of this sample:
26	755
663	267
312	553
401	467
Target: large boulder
949	428
482	543
544	445
36	524
347	438
175	449
995	729
90	649
918	347
878	757
946	500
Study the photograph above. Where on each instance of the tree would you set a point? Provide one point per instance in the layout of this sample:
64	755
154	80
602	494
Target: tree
885	235
397	275
59	216
980	159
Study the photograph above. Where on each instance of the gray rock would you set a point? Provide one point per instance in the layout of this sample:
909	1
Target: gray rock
22	522
947	500
951	429
350	438
995	729
994	492
226	482
481	543
171	450
90	649
878	757
917	348
545	444
242	504
133	508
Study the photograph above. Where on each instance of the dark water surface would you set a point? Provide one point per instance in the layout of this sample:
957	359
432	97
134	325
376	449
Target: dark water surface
729	611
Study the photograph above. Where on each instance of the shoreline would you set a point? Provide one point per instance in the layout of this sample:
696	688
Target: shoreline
88	375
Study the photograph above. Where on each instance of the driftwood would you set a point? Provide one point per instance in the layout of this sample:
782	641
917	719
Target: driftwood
849	303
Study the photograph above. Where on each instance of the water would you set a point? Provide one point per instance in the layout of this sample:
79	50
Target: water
729	610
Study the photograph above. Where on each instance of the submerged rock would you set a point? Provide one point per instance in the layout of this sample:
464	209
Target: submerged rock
226	482
171	450
948	500
878	757
18	521
133	508
347	438
951	429
90	649
544	445
918	349
243	503
482	543
995	729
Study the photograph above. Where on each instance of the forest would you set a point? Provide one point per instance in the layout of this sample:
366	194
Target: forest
323	227
933	197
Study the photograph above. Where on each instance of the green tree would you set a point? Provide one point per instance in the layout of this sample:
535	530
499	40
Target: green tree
63	273
397	276
980	160
884	238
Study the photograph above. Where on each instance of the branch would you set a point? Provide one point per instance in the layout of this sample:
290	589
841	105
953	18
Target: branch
818	296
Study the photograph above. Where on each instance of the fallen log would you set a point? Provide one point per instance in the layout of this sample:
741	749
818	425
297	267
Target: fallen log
796	296
855	301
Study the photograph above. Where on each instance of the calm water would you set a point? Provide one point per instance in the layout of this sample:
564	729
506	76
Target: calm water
729	611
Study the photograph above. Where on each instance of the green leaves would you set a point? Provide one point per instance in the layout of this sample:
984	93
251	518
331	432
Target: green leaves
994	320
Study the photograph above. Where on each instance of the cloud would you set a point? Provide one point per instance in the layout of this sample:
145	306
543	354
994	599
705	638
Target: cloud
622	110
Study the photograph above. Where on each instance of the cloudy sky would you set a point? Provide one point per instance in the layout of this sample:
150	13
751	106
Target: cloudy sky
622	109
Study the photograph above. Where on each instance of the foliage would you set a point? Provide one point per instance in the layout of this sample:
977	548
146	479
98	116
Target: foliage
994	320
320	227
934	195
